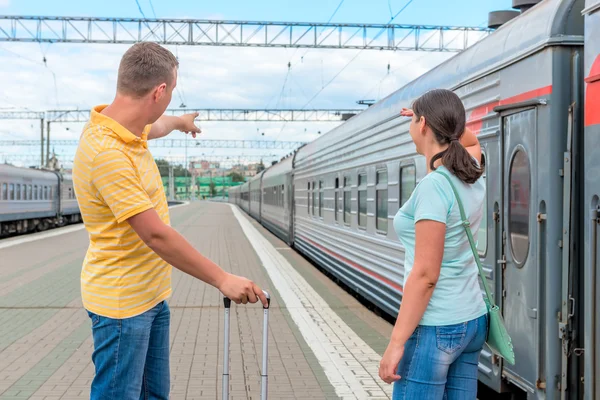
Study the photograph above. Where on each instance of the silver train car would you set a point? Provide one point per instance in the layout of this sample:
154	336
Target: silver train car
591	201
532	94
35	200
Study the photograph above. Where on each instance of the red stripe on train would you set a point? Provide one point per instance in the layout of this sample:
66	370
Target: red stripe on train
475	124
592	95
355	265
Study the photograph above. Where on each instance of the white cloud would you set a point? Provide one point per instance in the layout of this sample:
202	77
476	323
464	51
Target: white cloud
4	3
209	77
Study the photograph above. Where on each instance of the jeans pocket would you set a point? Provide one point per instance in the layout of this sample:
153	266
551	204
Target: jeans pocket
95	318
450	338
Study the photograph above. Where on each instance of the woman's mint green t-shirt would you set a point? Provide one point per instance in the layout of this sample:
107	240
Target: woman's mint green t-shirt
457	296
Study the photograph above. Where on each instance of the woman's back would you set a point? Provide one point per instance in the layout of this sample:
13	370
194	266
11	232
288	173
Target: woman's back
457	295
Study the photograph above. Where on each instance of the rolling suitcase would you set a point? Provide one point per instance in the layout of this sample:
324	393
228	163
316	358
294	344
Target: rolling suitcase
263	383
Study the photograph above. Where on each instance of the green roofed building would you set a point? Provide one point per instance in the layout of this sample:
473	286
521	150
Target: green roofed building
202	187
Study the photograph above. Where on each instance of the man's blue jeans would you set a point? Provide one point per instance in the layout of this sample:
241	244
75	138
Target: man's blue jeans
131	356
440	362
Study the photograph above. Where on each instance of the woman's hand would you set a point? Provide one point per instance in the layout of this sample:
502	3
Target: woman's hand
406	112
389	363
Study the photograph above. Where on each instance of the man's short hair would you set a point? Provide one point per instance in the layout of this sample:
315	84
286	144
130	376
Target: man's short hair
144	66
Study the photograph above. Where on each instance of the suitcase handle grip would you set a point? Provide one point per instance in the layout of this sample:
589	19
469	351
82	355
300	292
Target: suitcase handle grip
227	301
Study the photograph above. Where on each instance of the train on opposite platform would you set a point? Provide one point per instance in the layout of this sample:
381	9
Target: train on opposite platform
525	88
35	200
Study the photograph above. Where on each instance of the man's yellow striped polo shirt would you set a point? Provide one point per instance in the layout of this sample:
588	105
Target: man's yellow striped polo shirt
115	178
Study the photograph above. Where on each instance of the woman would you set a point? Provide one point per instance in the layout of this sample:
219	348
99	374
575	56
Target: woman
442	324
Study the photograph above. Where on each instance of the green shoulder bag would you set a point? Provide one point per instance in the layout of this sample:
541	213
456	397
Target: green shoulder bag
498	339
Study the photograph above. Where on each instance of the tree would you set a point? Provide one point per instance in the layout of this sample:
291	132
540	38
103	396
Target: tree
212	189
236	176
163	168
260	167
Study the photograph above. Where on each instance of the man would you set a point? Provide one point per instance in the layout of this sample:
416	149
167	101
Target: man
126	274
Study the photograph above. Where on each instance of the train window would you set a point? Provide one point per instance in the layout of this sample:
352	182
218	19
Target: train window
362	200
308	197
282	195
40	196
320	198
519	189
482	233
11	191
347	200
35	192
4	191
336	194
18	191
408	181
382	201
315	197
28	194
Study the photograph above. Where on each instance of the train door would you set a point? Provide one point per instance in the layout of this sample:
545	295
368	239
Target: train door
519	266
489	242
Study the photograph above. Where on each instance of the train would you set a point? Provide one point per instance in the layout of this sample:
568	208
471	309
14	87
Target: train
33	199
531	90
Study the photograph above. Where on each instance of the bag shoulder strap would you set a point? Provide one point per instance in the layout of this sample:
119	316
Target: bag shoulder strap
467	225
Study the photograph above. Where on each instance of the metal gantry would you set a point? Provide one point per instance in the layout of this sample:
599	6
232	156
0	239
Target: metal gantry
205	114
22	115
224	160
396	37
233	114
179	143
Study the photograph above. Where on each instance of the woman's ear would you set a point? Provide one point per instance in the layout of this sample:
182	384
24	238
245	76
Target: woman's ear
422	125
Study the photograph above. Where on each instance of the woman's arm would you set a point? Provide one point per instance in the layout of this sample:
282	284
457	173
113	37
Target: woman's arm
468	139
471	143
429	250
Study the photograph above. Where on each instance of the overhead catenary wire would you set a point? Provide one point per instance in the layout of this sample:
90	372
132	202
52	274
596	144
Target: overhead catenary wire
356	56
349	62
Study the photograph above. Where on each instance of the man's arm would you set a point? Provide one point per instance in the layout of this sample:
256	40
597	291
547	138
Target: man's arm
115	177
174	249
168	123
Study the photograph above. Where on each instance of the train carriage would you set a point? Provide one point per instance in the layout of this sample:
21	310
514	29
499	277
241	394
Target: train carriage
349	183
524	88
255	195
28	199
245	197
234	195
69	208
591	198
35	199
277	199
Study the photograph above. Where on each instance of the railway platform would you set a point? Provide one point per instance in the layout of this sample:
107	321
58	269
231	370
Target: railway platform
323	343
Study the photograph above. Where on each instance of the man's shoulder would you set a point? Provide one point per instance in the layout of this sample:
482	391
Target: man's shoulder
96	138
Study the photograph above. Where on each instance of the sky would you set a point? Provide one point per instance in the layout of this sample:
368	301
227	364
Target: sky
84	75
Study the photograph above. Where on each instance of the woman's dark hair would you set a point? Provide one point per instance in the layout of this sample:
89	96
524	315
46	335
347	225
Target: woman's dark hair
445	114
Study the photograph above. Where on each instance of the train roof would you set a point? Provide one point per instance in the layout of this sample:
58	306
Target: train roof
257	176
281	168
549	22
29	173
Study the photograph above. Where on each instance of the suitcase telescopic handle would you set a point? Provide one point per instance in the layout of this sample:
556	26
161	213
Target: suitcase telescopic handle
227	300
265	347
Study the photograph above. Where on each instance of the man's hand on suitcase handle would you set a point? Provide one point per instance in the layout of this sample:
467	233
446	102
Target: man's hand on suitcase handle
242	290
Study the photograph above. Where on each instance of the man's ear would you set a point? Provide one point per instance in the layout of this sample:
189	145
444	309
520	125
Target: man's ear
160	91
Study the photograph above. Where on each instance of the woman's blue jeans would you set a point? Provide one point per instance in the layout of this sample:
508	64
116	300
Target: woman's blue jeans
440	362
